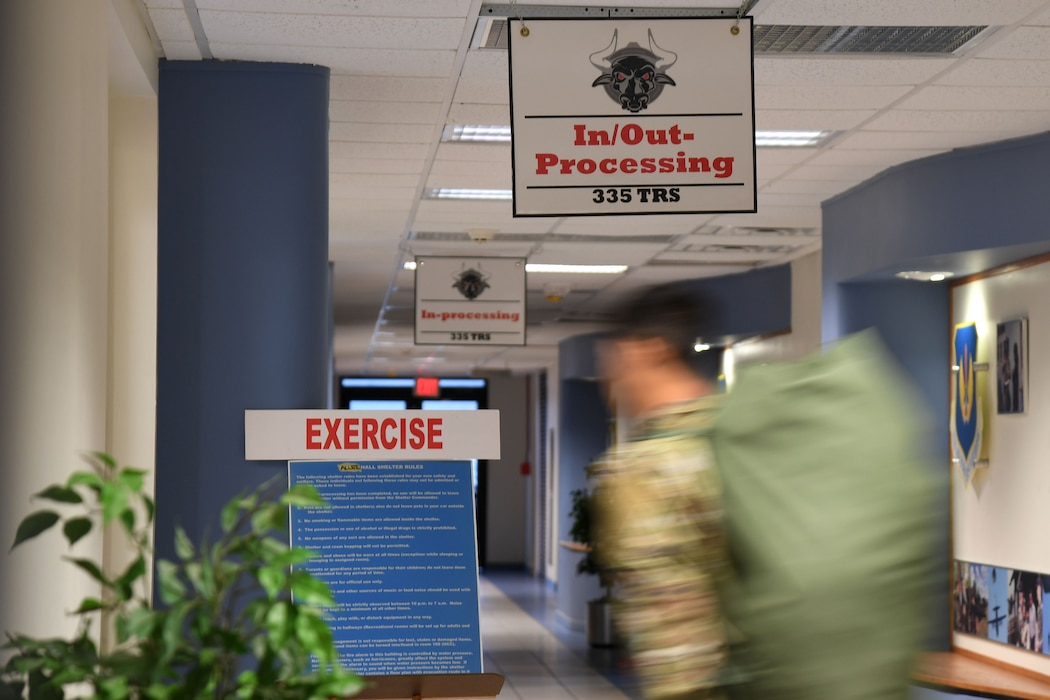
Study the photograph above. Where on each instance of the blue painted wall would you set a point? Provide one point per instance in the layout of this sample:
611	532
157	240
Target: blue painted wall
242	273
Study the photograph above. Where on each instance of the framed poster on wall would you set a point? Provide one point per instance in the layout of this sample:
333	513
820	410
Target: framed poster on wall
1011	349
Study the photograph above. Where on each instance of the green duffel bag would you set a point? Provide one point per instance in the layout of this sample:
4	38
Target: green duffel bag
830	507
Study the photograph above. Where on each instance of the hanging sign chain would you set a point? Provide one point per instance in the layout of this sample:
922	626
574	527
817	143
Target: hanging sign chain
517	10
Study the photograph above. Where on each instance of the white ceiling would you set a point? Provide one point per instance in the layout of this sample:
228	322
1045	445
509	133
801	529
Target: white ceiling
403	69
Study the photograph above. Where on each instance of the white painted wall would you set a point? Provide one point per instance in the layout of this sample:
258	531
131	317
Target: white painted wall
999	519
506	493
132	390
53	286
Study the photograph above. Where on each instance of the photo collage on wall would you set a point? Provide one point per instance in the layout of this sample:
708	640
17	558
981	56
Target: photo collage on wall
1002	605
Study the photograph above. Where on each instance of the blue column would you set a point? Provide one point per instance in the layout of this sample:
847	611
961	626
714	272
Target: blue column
242	273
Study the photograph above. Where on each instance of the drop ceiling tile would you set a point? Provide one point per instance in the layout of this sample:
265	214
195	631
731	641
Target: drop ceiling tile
461	168
377	151
881	157
783	156
172	25
791	200
895	12
1026	43
360	32
384	112
813	97
181	50
371	193
466	113
375	62
603	253
498	178
492	152
987	120
847	71
483	91
943	97
372	165
150	4
386	89
998	73
493	249
632	225
773	217
658	274
381	133
918	140
824	120
341	181
485	64
767	171
379	8
844	173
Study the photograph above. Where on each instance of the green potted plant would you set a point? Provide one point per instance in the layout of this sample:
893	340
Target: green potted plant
599	626
238	618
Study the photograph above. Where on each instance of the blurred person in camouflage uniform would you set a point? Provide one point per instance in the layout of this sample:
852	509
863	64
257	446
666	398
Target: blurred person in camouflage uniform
657	498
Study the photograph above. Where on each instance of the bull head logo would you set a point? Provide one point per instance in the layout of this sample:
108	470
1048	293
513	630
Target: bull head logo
471	283
633	76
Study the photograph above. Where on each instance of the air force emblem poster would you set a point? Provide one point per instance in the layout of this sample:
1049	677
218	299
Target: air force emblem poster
632	116
966	418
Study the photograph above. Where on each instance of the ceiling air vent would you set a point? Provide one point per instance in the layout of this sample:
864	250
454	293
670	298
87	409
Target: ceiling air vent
801	39
492	33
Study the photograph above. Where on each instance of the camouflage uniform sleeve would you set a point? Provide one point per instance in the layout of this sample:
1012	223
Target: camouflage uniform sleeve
659	528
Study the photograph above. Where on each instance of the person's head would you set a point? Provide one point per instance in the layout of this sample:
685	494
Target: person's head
647	360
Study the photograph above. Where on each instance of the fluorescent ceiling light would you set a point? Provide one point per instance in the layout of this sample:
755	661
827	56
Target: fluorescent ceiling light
557	269
701	347
924	276
455	193
476	133
790	138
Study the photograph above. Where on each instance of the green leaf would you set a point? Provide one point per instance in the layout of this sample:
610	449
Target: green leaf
172	588
102	459
89	605
303	496
270	516
76	528
133	479
33	525
126	582
114	499
151	508
279	622
60	494
93	570
291	557
314	634
309	590
228	516
272	579
127	519
183	546
93	481
115	687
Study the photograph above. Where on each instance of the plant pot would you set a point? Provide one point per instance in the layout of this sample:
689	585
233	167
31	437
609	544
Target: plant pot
600	623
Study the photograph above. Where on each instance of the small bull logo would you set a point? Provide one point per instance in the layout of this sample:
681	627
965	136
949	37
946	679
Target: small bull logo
633	76
471	283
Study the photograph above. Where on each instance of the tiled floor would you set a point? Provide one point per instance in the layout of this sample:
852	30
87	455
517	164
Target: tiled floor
538	660
542	660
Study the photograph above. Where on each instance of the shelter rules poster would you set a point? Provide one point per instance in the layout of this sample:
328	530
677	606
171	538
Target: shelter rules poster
399	552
